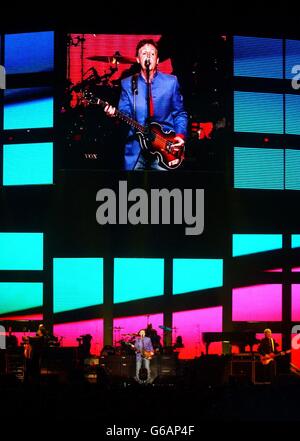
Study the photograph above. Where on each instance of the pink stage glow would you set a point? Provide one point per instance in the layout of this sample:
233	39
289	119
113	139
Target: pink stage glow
131	325
191	324
296	269
71	331
277	270
257	303
24	317
295	303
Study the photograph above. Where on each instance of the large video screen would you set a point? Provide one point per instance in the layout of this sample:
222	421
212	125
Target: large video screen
167	104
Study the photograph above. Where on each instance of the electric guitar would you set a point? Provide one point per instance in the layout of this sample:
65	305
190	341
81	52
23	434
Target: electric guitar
148	355
155	140
266	359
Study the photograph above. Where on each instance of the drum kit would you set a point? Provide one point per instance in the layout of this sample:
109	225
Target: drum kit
90	137
123	342
100	84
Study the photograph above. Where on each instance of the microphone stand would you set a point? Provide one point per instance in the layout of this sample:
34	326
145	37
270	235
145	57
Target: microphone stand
148	98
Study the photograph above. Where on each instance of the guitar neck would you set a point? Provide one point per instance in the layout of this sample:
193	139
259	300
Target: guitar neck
122	116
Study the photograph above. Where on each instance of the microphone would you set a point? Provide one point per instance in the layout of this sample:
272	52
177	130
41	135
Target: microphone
147	62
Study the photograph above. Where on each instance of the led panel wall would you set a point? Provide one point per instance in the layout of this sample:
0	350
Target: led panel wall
77	283
259	168
243	244
292	114
292	57
295	240
21	251
292	169
196	274
258	57
17	296
191	324
132	325
29	52
138	279
257	303
28	164
296	302
28	108
258	112
67	333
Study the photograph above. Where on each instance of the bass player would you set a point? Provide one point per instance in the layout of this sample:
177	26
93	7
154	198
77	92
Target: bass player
144	353
151	96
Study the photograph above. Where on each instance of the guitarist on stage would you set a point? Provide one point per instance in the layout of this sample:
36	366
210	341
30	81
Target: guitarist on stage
144	352
267	349
159	98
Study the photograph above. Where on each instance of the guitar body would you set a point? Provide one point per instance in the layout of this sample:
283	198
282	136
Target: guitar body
148	355
266	359
159	144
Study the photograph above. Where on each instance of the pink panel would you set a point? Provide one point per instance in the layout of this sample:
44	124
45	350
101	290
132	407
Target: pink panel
191	324
296	269
257	303
131	325
71	331
295	303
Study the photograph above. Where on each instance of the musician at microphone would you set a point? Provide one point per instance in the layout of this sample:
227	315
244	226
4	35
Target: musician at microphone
144	351
164	103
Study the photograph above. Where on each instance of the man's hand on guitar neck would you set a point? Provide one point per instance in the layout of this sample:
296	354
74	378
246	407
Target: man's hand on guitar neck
110	110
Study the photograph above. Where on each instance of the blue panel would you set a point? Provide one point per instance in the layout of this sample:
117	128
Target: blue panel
28	164
28	108
21	251
16	296
258	57
295	240
243	244
292	114
259	168
292	57
138	279
292	169
77	283
29	52
258	112
196	274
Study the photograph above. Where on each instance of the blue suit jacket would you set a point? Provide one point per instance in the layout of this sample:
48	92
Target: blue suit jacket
168	109
140	345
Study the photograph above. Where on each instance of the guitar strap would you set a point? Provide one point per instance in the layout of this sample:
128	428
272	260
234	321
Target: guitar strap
134	88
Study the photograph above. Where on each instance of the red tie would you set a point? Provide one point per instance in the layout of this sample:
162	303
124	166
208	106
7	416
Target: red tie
151	102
